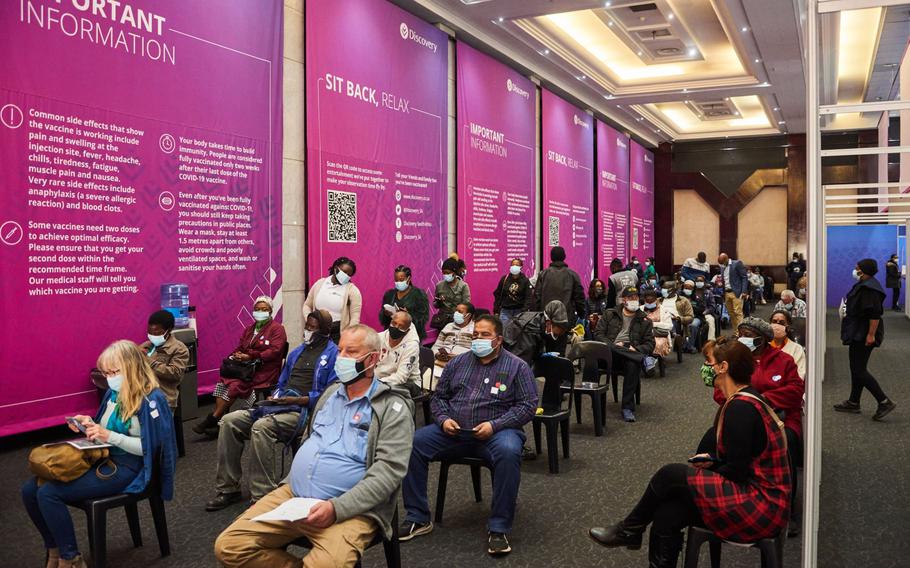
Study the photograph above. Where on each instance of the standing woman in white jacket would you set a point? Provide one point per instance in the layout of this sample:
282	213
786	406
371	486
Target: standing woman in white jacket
338	295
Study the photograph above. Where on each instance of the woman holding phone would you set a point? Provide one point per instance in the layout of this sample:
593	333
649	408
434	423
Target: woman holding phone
135	419
738	487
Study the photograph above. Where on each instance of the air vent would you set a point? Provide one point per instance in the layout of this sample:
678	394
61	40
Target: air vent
643	7
714	110
669	51
654	34
650	30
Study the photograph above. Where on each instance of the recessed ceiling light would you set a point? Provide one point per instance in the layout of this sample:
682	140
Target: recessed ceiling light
781	122
501	20
776	109
581	77
745	29
610	23
757	60
670	16
693	52
766	84
685	90
639	54
607	4
638	119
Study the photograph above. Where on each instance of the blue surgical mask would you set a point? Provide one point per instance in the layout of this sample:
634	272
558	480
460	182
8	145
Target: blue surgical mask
157	340
651	306
458	318
699	284
515	270
348	369
654	283
482	347
258	316
664	292
687	292
748	342
115	382
448	277
856	274
402	285
342	277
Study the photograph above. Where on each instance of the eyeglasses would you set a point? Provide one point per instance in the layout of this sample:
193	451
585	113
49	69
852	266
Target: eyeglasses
111	373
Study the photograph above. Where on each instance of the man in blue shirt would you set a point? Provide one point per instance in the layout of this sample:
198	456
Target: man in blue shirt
353	458
480	405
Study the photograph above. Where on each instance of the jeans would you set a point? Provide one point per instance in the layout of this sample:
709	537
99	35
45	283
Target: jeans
502	450
860	377
692	341
506	314
46	505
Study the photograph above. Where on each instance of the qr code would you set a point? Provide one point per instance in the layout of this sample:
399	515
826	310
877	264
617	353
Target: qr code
342	217
554	231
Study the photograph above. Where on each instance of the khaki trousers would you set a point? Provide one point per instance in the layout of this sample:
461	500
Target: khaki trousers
253	544
734	306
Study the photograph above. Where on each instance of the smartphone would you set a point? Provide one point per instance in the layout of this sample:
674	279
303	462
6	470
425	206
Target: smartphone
389	308
72	420
468	430
704	459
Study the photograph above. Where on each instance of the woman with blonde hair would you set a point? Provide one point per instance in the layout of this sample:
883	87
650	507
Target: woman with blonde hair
135	419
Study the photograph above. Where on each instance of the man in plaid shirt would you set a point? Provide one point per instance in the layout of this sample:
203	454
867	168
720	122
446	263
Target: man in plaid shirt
480	405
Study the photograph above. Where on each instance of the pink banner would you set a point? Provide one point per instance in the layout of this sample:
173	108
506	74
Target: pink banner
376	144
641	202
612	197
140	144
496	220
568	183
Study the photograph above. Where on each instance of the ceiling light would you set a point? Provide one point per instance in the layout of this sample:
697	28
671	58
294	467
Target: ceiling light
776	109
745	29
610	23
501	20
670	16
639	54
856	54
766	84
581	77
685	90
546	52
781	122
693	52
757	60
607	4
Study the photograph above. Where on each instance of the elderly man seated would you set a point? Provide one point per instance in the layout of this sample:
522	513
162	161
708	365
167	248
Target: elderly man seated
352	460
791	304
481	403
400	364
455	337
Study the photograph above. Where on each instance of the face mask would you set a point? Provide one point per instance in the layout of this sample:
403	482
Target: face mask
780	331
651	306
708	375
114	383
157	340
401	286
396	333
699	285
664	292
307	336
856	274
632	305
788	306
647	263
448	277
687	292
654	283
598	292
482	347
458	318
802	291
635	262
261	316
349	369
342	277
515	270
749	342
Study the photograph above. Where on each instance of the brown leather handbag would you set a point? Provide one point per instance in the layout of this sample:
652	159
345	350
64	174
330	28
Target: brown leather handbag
62	462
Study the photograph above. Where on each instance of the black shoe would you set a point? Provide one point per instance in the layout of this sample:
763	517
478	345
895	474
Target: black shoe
528	453
410	529
616	536
848	406
204	424
498	544
663	550
223	500
794	529
883	409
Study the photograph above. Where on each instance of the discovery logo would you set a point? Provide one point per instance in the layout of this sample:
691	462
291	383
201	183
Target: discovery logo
580	122
621	144
513	88
409	34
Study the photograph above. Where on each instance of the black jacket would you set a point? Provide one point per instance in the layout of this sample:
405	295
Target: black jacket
512	293
864	304
796	269
559	282
641	331
892	275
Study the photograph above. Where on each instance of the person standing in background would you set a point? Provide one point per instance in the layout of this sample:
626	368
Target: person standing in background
862	331
619	280
513	293
735	286
337	294
795	270
559	282
893	281
405	297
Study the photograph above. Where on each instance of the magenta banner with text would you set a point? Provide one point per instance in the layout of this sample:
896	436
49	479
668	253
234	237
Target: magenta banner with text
495	170
140	144
568	183
612	197
376	80
641	202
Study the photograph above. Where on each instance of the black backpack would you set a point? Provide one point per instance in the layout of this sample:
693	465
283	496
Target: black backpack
522	335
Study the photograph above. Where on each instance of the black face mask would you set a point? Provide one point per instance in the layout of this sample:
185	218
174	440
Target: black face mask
396	333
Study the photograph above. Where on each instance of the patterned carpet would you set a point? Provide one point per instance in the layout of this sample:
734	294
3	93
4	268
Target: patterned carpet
864	513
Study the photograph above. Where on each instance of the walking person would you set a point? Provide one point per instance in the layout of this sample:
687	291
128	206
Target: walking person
893	281
862	330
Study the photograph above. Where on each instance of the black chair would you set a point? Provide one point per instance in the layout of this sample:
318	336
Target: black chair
772	549
178	412
798	330
426	361
556	371
96	518
597	361
392	546
444	464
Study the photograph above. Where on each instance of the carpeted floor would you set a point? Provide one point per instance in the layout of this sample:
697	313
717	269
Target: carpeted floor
598	484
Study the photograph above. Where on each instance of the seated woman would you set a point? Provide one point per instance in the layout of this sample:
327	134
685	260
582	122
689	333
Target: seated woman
265	341
780	325
662	319
135	419
739	488
455	338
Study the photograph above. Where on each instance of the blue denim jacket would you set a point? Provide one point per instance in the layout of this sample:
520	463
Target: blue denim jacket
323	377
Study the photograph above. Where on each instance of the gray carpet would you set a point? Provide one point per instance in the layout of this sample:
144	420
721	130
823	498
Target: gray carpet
598	484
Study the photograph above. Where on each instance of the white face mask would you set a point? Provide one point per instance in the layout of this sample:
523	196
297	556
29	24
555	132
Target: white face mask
157	340
261	316
856	274
631	305
115	382
699	284
342	277
307	336
448	277
515	270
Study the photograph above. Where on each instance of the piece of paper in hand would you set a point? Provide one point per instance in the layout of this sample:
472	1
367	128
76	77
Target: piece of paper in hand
291	510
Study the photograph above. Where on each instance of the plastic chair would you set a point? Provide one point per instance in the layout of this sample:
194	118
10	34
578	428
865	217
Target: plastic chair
555	371
426	360
598	361
772	549
392	546
444	464
96	518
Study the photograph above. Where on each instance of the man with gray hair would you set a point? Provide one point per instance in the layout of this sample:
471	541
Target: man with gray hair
400	363
791	304
351	462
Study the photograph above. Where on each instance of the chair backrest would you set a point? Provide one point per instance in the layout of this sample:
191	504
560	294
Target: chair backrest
799	331
597	357
555	371
426	359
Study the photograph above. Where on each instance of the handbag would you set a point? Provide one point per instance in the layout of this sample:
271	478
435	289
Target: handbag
440	320
241	370
62	462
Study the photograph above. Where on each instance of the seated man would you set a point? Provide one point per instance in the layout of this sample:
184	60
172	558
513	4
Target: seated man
530	334
167	355
793	305
401	363
703	311
455	337
628	331
353	457
481	403
269	428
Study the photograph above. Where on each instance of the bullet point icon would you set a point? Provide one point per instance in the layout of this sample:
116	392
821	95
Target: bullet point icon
11	116
167	143
11	233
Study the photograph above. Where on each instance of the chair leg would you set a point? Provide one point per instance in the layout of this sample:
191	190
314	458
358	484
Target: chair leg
614	384
441	490
392	552
597	401
552	448
603	408
537	436
132	519
160	519
98	538
693	548
475	480
564	428
714	545
178	433
427	413
578	407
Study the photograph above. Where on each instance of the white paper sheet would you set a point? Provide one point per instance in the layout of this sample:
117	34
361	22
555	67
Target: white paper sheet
293	509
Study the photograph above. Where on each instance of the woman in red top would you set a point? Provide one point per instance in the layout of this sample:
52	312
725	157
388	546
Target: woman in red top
739	488
265	341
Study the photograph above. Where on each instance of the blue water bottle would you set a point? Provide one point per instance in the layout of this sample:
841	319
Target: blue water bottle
175	298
